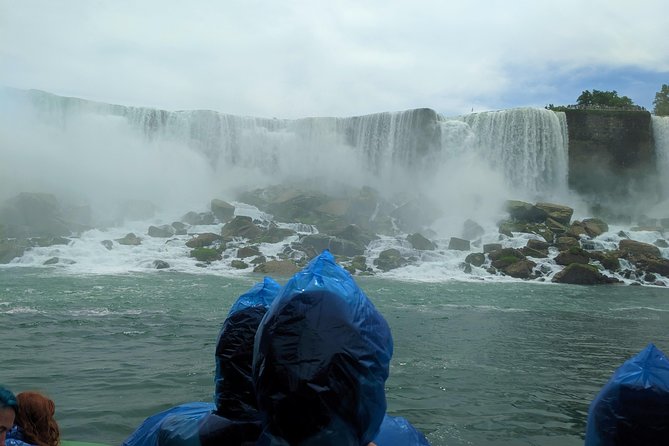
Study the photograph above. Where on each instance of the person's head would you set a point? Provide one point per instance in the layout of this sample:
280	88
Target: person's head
9	406
235	397
35	417
321	359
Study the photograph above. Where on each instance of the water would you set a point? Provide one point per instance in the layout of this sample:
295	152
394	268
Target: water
474	364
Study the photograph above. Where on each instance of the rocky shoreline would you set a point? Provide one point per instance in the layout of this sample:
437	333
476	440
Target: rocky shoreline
299	224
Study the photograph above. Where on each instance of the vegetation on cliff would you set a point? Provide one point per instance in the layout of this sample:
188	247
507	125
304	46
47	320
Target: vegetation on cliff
661	102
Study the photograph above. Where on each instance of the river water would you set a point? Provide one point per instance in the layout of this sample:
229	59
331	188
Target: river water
490	363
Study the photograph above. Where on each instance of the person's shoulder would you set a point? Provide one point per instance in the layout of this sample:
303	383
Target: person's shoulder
16	442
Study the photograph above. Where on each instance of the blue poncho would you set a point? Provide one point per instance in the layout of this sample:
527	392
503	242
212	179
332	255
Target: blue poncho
321	359
633	407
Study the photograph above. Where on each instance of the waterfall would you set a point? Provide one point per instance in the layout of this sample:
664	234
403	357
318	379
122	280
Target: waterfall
661	135
394	151
529	145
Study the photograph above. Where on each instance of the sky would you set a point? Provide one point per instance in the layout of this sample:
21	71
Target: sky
299	58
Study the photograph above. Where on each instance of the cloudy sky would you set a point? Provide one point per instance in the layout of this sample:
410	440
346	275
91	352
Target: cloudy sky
295	58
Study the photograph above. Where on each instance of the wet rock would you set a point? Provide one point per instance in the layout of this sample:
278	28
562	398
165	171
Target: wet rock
160	264
107	244
472	230
241	226
206	254
248	251
594	226
421	243
130	239
203	240
459	244
239	264
163	231
222	210
580	274
277	267
560	213
390	259
572	255
475	258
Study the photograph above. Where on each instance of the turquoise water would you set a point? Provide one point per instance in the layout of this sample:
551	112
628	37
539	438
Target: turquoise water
474	364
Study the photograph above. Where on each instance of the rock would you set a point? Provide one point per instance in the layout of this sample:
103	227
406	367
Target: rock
634	248
206	254
203	240
555	226
107	244
273	234
419	242
458	244
472	230
130	239
359	263
356	234
179	228
609	260
561	214
33	215
504	257
576	230
580	274
163	231
238	264
594	227
521	211
277	267
529	252
51	261
390	259
241	226
248	251
223	210
160	264
490	247
572	255
661	243
564	243
316	243
521	269
475	258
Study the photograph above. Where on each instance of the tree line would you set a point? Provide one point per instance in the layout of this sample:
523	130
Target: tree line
611	99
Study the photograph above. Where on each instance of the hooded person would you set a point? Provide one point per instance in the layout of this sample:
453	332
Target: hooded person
233	418
321	360
633	407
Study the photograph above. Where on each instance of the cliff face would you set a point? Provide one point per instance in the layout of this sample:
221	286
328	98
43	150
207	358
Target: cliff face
611	153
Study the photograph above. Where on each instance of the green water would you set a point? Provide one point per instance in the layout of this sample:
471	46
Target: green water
474	364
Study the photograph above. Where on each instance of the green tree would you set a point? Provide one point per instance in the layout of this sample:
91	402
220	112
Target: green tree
661	101
604	98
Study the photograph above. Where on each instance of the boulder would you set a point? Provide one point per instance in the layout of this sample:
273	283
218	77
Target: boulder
314	244
277	268
356	234
594	226
206	255
160	264
459	244
248	251
162	231
490	247
107	244
521	211
273	234
223	210
199	218
632	248
33	215
44	242
564	243
576	230
390	259
522	269
203	240
241	226
129	239
504	257
580	274
179	228
661	243
561	214
472	230
572	255
421	243
475	258
238	264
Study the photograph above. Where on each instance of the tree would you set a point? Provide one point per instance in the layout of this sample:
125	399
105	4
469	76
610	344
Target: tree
661	101
603	98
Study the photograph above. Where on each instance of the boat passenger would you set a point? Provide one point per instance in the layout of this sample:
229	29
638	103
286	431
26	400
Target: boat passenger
35	423
9	406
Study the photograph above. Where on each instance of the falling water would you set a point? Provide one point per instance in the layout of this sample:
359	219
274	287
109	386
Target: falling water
661	134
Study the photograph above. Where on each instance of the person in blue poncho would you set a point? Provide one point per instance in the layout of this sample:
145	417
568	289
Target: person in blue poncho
632	409
234	418
320	360
320	363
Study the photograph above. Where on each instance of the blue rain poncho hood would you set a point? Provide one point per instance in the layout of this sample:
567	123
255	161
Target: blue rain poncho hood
234	395
633	407
321	359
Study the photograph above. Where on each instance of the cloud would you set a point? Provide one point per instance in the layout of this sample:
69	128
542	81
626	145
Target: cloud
306	58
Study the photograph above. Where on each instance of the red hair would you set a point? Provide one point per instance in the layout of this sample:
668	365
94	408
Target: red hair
35	418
